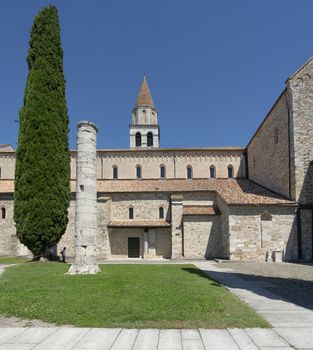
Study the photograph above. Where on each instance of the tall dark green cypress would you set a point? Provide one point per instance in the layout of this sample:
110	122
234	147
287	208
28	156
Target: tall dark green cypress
42	173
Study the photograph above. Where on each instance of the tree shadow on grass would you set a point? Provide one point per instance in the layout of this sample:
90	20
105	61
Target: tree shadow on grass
202	274
294	290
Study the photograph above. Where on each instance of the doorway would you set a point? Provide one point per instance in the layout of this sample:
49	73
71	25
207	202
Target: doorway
134	247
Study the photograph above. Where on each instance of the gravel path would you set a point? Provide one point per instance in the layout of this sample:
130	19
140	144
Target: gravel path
292	281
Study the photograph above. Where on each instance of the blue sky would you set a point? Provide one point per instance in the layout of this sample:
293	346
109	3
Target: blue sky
214	67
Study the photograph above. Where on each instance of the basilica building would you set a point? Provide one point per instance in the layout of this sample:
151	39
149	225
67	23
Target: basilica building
237	203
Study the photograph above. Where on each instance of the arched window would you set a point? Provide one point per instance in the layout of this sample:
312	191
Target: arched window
130	213
189	172
149	139
161	213
162	172
3	213
138	139
138	172
115	172
212	172
230	171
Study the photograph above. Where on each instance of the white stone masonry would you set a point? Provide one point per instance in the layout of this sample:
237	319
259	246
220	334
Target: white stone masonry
86	201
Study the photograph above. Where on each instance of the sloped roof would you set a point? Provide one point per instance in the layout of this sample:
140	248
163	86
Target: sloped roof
6	147
144	97
200	210
232	191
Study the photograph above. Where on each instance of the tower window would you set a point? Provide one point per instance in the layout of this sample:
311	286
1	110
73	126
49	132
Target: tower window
115	172
162	172
138	172
189	172
150	139
138	139
161	213
3	213
144	111
130	213
212	172
230	171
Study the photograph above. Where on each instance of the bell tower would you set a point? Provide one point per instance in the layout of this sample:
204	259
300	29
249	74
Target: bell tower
144	130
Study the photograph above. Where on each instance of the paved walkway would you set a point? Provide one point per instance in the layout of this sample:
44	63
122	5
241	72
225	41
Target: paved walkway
150	339
293	327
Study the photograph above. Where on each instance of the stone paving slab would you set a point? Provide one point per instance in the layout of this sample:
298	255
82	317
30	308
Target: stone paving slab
147	339
266	338
125	340
191	339
98	339
63	338
242	339
299	338
170	339
32	335
218	339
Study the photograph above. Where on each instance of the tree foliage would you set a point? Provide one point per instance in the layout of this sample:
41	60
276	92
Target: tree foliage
42	173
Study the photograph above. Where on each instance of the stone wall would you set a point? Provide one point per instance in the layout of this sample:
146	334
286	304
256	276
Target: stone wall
202	237
7	165
255	239
175	162
268	151
224	220
306	234
9	243
199	198
67	239
145	205
8	238
300	86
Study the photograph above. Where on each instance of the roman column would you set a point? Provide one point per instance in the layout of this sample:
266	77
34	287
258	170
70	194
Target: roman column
86	201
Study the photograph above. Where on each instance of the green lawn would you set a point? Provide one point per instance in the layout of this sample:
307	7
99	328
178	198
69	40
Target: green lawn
9	260
130	296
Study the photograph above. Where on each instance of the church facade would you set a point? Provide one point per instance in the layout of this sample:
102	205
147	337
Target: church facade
237	203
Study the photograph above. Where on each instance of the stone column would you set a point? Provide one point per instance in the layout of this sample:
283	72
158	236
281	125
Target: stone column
86	201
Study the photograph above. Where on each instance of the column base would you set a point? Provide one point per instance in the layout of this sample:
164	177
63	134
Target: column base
76	269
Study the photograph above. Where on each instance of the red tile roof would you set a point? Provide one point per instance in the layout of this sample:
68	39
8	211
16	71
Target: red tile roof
200	210
144	98
232	191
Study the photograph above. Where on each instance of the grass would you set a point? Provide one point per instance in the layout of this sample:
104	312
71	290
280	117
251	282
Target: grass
130	296
11	260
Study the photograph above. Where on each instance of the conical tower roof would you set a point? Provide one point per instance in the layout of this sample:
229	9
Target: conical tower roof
144	97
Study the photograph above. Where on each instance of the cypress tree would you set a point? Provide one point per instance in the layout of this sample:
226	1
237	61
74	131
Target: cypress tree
42	172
